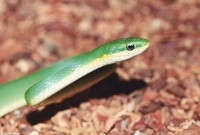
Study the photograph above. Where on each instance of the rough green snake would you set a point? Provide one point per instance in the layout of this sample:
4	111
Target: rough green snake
74	74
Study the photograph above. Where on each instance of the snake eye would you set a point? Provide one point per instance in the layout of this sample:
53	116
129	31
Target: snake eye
130	47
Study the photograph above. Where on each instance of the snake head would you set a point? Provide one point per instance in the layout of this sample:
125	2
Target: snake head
122	49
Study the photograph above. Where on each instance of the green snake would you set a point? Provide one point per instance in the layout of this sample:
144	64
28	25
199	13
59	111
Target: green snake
72	75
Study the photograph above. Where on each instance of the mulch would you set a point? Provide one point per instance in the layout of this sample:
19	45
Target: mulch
155	93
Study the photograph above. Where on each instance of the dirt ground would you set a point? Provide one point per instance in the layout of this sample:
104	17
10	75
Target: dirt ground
155	93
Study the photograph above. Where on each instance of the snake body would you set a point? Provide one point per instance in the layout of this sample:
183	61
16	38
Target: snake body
74	74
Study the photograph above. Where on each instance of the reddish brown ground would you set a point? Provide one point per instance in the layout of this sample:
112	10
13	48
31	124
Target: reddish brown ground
155	93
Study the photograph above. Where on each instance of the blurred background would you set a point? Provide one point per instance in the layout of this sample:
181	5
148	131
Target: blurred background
36	33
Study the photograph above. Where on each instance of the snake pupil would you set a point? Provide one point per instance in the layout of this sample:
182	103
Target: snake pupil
130	47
